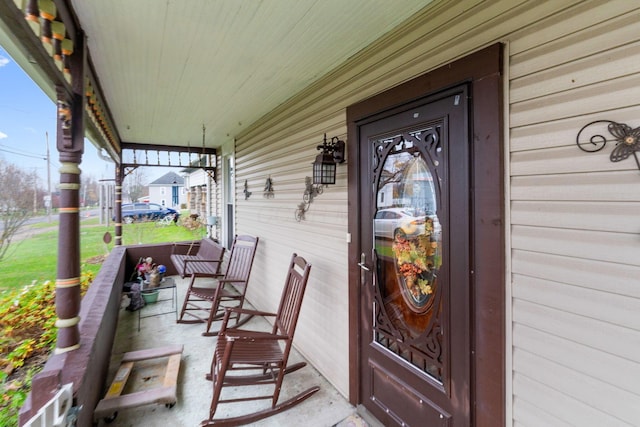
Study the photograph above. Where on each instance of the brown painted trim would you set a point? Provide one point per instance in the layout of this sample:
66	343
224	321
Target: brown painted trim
70	145
107	115
118	204
19	28
488	244
354	250
170	148
483	69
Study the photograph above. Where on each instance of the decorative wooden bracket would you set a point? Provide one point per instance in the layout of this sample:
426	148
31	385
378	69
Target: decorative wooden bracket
64	114
128	170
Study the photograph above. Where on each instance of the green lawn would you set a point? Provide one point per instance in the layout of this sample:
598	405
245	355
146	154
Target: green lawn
35	258
27	315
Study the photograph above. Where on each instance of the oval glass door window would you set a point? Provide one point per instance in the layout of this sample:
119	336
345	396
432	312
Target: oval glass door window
406	215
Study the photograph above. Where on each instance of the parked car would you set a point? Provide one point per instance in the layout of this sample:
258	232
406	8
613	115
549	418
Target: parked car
146	212
403	222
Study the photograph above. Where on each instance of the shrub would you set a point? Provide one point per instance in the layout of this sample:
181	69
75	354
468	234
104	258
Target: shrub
28	334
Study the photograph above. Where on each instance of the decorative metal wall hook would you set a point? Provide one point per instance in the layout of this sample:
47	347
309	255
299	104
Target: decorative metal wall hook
268	189
311	191
627	140
246	191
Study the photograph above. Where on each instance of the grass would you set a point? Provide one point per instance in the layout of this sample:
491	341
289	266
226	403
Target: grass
27	313
35	258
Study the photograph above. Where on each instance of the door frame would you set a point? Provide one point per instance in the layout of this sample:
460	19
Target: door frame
226	219
483	70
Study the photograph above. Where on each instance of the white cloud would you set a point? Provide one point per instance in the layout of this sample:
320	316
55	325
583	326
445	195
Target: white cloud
3	135
3	61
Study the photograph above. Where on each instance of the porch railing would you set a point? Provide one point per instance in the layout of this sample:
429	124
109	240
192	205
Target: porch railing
87	367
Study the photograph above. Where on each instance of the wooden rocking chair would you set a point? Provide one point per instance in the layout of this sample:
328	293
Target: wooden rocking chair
267	353
205	304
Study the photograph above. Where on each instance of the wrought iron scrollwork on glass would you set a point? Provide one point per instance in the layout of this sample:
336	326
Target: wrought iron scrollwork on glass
410	287
627	140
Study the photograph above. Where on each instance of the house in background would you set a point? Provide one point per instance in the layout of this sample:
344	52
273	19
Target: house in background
202	197
200	192
168	191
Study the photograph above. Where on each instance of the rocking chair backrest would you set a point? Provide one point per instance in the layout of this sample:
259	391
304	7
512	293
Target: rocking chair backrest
291	301
241	260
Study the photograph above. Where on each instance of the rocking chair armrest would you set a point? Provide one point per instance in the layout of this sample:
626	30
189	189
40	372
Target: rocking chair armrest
244	335
229	310
230	280
247	311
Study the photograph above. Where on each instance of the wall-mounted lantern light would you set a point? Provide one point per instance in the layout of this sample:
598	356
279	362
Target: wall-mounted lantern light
324	167
324	172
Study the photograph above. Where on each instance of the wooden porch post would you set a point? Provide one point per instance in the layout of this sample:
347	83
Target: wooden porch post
70	144
118	206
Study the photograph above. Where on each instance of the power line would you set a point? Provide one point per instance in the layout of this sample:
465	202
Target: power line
35	156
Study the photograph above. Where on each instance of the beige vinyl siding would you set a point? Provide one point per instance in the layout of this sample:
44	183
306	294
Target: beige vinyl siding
574	234
322	333
574	338
282	144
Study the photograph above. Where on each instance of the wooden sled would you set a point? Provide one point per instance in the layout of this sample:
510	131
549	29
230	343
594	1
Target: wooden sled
161	391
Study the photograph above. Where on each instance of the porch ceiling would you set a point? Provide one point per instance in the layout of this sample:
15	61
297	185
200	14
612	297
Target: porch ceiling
168	68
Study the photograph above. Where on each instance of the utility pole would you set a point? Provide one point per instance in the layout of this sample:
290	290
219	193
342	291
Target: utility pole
49	204
35	191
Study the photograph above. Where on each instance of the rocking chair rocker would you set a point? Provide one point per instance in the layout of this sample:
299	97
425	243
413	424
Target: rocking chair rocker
265	352
205	304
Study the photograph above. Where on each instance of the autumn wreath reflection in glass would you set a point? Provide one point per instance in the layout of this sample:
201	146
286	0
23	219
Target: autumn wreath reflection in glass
417	250
418	259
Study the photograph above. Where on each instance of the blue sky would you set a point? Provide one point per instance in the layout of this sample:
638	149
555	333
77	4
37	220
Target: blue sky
26	116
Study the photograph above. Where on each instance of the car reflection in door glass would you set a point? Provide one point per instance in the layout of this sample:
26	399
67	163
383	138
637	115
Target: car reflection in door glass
391	223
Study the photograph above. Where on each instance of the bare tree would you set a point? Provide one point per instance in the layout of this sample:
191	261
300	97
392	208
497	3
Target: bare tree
89	190
17	191
134	185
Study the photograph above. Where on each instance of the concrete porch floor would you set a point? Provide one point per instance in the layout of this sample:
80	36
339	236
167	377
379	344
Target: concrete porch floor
325	408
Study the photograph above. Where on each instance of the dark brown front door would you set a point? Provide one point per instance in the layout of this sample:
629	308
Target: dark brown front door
427	261
415	323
